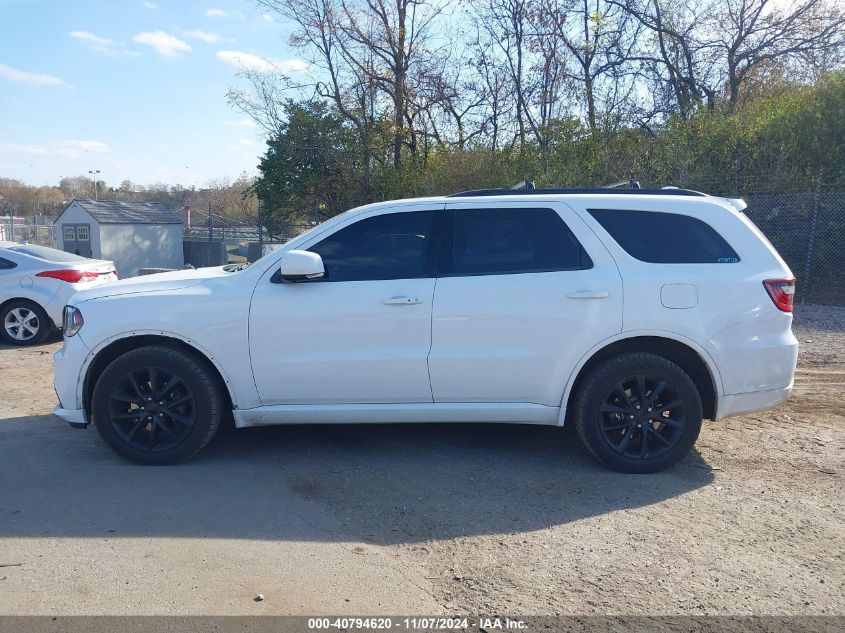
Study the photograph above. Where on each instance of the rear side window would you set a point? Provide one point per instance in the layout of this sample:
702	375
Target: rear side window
5	264
665	238
504	241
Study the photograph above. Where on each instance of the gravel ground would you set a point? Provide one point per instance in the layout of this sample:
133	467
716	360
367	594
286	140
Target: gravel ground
428	519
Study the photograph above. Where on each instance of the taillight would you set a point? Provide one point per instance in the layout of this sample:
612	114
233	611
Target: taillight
782	292
69	275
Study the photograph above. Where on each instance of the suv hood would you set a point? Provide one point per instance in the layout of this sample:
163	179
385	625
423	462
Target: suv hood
158	282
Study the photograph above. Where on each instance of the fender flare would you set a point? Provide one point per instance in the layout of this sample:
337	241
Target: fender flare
679	338
93	353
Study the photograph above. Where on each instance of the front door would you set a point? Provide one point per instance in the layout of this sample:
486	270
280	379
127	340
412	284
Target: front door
362	334
77	239
527	290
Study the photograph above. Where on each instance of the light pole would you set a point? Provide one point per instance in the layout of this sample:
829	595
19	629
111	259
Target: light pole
95	172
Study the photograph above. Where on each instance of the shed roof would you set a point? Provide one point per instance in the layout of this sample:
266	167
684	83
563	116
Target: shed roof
112	212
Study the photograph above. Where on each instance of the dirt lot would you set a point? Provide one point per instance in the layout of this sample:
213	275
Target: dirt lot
428	519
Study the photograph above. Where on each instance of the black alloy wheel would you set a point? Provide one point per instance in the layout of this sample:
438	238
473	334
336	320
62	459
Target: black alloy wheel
638	412
157	404
152	409
642	417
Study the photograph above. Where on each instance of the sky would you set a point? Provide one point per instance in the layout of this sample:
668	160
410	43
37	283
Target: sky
133	88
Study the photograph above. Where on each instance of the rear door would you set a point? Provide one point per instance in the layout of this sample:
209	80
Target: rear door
524	291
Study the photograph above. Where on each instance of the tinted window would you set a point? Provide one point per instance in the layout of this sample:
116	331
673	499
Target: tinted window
5	264
665	238
390	246
47	254
502	241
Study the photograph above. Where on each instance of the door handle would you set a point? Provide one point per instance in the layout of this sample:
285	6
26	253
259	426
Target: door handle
588	294
402	301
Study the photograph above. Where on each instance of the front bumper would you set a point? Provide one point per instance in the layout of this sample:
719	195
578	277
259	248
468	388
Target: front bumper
75	417
69	371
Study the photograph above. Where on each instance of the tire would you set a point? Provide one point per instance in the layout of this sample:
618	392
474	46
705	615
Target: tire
23	322
635	396
157	405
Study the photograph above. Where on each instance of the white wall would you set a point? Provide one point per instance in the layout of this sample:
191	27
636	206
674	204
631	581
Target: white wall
134	246
75	214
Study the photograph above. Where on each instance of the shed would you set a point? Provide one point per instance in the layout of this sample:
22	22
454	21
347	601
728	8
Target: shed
131	234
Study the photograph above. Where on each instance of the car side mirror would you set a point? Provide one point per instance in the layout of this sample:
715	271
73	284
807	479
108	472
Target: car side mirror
302	266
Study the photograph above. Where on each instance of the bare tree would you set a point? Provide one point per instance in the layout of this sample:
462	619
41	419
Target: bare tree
506	23
339	72
751	33
676	53
397	35
494	88
599	36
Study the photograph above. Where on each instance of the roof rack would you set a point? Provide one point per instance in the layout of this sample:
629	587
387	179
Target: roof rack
624	184
666	191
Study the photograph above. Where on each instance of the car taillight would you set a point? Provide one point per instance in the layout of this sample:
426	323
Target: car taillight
782	292
69	275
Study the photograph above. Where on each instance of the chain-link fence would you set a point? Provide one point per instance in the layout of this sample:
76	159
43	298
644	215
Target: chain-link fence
808	230
41	234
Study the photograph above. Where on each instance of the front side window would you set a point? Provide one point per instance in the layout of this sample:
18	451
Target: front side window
389	246
70	234
665	238
504	241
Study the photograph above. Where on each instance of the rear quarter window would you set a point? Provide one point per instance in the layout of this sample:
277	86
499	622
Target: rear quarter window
665	238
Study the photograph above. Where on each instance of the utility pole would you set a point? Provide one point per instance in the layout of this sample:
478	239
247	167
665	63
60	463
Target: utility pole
95	172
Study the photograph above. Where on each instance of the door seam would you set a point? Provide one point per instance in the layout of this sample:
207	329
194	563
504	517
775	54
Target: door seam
431	340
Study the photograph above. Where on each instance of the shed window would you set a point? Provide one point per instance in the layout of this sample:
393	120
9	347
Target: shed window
70	235
82	233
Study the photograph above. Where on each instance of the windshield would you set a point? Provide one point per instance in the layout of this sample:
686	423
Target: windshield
47	254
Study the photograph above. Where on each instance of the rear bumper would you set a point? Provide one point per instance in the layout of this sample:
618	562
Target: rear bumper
739	403
76	417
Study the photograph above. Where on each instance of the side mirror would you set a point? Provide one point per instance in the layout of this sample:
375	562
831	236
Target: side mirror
302	266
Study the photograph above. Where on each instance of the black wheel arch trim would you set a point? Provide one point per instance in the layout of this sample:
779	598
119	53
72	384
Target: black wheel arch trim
117	346
676	350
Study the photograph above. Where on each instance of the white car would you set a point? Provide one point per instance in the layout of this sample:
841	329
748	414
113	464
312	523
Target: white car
634	314
35	284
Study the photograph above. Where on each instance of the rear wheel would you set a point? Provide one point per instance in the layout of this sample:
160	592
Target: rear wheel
24	322
157	405
638	413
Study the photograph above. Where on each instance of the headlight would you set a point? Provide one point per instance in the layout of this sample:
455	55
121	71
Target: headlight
72	320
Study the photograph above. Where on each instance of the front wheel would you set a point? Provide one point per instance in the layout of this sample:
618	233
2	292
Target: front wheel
638	413
157	405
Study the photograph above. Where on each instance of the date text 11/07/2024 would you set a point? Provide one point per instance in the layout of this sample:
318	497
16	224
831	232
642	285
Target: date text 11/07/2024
416	624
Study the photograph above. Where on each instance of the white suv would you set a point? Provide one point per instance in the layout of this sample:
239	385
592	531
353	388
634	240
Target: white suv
634	314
